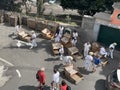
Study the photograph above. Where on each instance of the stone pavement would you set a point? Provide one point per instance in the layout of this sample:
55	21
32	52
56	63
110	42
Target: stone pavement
4	42
29	61
3	77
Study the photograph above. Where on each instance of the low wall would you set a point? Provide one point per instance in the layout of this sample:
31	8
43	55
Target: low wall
31	22
88	27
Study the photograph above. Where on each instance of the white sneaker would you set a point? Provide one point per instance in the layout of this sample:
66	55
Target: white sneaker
35	46
30	47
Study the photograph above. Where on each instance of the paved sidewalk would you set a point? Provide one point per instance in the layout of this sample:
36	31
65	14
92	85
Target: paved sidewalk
3	77
4	42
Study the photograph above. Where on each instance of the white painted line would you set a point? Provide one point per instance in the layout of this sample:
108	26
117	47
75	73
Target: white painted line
18	72
5	61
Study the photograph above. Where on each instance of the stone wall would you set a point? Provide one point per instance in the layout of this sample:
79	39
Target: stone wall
31	22
88	25
1	16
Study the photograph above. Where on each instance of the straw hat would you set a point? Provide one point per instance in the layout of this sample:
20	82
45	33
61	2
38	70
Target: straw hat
91	53
42	69
115	43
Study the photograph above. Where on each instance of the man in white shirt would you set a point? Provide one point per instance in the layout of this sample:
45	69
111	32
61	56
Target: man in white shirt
33	40
111	49
57	38
17	29
73	41
87	47
75	34
67	60
88	61
103	52
61	28
61	52
59	33
56	78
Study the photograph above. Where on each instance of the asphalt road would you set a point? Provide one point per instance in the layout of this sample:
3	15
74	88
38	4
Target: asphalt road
29	61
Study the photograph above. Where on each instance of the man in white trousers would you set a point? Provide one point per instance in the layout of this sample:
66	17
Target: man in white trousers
87	47
61	52
111	49
103	52
75	34
67	60
73	41
88	61
33	40
56	79
61	29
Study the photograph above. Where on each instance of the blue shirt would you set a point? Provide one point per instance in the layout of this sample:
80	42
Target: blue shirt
96	61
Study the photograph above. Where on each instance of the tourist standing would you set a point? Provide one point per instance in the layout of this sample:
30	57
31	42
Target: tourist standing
55	82
41	77
63	85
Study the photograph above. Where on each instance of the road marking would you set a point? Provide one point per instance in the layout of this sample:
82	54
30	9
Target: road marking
18	72
5	61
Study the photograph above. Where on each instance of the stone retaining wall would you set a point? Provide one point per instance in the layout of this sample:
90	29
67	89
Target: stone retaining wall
31	22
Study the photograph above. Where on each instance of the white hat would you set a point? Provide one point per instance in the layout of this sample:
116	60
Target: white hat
61	46
32	31
91	53
115	43
71	58
42	69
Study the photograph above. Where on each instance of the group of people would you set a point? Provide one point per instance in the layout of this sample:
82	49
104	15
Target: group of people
55	84
61	31
59	34
33	35
93	59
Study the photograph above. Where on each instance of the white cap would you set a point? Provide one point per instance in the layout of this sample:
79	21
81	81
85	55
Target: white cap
71	57
42	69
115	43
32	31
61	46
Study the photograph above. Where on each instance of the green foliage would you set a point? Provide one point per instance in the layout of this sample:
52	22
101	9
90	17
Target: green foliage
89	7
68	19
27	6
10	5
40	8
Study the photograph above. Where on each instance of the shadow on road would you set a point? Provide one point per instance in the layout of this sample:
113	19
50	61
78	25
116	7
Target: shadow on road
83	71
52	59
100	85
27	87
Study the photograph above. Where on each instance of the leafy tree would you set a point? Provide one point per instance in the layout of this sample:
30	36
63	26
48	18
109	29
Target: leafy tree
40	7
10	5
89	7
26	4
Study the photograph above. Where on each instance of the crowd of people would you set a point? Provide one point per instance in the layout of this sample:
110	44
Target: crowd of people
92	59
32	35
60	33
55	83
95	59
